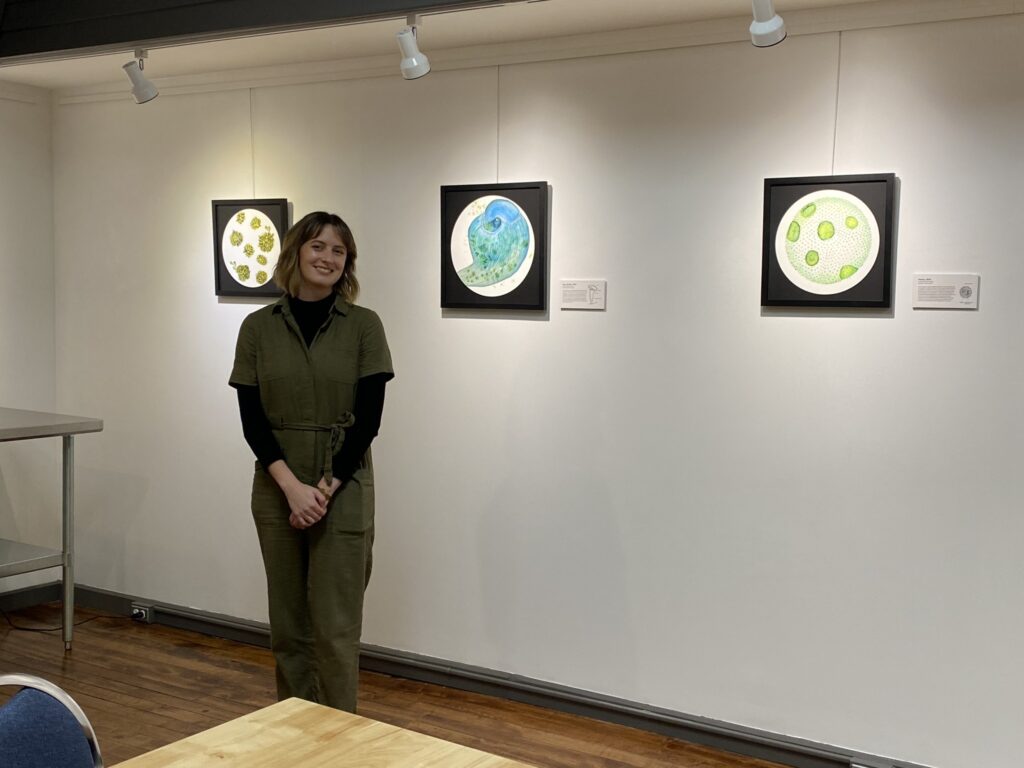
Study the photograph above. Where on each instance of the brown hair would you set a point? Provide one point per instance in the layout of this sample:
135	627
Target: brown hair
286	273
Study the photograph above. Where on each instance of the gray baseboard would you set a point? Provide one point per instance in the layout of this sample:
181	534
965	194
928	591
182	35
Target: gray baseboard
739	739
204	622
26	597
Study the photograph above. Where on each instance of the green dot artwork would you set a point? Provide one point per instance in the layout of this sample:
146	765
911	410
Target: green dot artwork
827	241
250	235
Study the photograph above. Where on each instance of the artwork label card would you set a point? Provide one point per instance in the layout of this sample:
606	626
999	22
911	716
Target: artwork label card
938	291
584	294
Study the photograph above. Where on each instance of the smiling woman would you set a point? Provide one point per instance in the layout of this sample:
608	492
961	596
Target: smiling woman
310	371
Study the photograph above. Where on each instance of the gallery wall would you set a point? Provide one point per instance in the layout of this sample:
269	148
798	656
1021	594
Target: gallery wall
29	471
798	521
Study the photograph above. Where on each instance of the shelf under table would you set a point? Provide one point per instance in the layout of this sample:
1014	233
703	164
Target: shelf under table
16	557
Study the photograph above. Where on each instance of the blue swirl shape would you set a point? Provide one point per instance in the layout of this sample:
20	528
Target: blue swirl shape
499	239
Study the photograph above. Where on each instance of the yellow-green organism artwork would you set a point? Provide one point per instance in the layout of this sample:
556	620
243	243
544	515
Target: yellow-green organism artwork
250	233
267	240
827	242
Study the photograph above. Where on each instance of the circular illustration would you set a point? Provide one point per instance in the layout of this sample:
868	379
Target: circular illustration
827	242
250	246
492	246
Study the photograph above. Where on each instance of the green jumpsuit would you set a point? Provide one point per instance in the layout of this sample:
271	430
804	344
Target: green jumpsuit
315	577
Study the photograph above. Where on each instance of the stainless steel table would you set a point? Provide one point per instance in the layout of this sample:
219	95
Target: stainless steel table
16	557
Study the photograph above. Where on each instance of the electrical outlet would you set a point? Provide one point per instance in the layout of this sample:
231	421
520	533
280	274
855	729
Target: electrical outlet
143	613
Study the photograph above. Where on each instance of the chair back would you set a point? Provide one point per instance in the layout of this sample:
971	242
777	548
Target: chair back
43	727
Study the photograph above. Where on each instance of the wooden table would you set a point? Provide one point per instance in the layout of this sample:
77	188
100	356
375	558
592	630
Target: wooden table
16	557
298	734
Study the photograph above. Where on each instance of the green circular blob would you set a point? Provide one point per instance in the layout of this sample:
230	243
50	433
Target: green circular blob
847	271
826	230
248	250
236	238
808	210
261	277
794	232
851	222
811	258
243	272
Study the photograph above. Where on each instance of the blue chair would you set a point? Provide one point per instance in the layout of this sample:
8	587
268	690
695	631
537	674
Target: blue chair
42	727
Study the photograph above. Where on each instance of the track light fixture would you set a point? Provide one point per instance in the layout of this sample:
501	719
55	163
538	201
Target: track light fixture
414	63
767	29
142	89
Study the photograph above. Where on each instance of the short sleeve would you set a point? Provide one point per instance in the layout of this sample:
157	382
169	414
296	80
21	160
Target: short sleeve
374	355
243	373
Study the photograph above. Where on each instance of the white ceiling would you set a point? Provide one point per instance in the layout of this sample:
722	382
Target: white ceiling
496	24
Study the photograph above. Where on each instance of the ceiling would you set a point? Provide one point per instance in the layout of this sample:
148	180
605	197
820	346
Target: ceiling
513	22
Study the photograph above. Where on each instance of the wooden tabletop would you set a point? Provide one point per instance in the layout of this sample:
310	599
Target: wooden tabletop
298	734
25	425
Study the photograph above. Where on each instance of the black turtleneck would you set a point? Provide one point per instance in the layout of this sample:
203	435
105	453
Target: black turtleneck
310	315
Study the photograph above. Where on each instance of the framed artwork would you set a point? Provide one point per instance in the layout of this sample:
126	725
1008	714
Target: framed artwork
494	246
828	241
246	244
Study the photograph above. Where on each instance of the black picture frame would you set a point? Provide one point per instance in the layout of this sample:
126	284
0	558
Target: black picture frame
530	288
276	211
783	285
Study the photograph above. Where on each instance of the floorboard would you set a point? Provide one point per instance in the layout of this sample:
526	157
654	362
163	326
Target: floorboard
145	685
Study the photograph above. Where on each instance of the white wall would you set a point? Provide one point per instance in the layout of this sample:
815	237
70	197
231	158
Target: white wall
802	522
30	473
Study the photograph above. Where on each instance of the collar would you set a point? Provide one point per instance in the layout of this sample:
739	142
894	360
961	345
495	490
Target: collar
340	305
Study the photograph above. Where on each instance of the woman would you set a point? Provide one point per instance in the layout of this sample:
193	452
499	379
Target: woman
310	372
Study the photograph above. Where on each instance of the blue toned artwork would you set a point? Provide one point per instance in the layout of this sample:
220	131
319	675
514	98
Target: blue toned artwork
492	245
499	239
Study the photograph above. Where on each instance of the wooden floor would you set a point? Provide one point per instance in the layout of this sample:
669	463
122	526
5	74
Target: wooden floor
144	686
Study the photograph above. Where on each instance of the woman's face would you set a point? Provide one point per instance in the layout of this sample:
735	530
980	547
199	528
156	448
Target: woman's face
321	263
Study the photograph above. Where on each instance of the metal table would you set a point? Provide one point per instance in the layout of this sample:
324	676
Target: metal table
16	557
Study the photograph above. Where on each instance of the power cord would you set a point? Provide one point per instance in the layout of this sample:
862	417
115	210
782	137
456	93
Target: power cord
57	629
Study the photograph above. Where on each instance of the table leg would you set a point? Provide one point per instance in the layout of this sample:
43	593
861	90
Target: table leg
68	509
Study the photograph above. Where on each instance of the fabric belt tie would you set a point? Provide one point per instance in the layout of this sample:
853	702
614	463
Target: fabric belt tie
337	430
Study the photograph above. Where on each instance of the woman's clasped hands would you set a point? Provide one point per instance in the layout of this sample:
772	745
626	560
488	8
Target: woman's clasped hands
308	504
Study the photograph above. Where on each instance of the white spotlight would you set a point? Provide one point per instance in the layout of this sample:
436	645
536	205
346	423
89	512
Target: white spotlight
414	63
142	89
767	29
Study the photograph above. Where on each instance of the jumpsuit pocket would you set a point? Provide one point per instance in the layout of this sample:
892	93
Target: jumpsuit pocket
269	505
351	509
